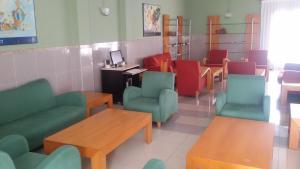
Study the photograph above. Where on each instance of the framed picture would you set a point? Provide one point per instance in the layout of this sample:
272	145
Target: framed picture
17	22
152	20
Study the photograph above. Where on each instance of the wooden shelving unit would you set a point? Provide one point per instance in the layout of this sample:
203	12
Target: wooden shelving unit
177	37
241	41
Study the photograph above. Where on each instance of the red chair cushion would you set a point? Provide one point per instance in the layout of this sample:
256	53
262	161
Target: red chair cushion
244	68
217	56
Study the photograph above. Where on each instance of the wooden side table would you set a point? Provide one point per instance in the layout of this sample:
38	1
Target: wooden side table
95	99
294	126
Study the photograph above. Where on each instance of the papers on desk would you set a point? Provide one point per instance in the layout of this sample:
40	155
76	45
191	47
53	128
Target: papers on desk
135	71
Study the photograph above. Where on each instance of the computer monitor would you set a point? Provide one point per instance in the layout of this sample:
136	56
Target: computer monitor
116	57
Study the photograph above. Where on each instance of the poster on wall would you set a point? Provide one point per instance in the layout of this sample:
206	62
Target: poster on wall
17	22
151	22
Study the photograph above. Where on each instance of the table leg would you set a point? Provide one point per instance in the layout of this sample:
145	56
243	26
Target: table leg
293	135
110	103
208	76
188	163
283	96
88	112
98	161
148	132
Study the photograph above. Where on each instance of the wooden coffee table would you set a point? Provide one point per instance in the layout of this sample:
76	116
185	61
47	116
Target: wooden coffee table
230	143
98	135
294	126
95	99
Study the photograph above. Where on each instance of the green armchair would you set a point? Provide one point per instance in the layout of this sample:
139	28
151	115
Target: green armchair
157	96
155	164
14	154
245	98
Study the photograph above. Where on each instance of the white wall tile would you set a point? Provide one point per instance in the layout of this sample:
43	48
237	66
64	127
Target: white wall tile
7	70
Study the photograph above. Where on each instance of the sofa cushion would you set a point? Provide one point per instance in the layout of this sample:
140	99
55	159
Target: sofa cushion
29	160
153	82
253	112
27	99
40	125
144	104
245	89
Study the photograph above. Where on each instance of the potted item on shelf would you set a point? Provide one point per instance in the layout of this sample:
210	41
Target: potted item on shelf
172	33
221	31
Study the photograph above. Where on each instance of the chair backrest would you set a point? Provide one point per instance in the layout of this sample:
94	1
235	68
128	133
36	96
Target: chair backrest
292	66
260	57
5	161
291	76
65	157
217	56
154	82
245	89
242	68
27	99
158	60
187	76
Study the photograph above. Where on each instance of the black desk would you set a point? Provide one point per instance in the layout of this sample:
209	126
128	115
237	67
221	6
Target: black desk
115	80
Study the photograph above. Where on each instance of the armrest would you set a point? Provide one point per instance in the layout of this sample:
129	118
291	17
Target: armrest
71	99
266	106
155	164
5	161
66	157
220	102
131	92
169	99
14	145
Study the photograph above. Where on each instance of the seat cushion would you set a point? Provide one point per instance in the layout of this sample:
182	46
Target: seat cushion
40	125
145	104
29	160
252	112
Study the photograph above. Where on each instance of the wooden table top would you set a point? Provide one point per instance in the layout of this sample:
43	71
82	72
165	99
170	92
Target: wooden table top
236	142
95	95
103	131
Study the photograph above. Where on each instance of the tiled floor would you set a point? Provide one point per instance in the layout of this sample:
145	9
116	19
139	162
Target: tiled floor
176	137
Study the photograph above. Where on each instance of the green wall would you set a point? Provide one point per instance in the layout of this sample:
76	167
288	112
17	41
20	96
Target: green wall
134	19
71	22
55	21
198	10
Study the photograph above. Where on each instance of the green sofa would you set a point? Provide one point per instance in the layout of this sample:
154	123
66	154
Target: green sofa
245	98
33	111
14	154
157	96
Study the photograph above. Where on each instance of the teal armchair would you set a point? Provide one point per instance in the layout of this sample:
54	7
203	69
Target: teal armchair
245	98
155	164
14	154
157	96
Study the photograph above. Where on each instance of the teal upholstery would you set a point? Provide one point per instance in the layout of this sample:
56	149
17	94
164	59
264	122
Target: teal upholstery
155	164
14	154
245	98
157	96
34	104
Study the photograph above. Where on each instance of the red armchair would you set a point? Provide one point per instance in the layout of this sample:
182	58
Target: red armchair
243	68
260	57
159	62
217	58
288	70
188	79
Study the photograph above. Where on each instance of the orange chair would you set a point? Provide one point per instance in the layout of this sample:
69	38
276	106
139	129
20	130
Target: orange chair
260	57
189	81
